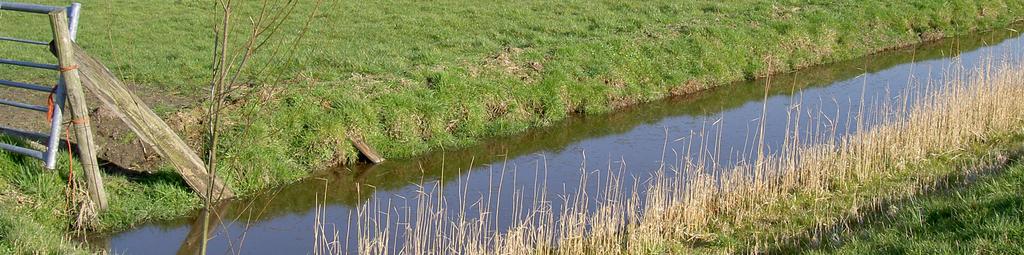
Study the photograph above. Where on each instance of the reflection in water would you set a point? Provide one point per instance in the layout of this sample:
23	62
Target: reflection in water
193	240
283	219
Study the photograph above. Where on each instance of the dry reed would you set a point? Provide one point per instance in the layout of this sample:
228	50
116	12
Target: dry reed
813	177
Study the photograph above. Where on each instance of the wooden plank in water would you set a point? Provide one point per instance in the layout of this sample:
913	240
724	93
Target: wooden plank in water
365	149
150	128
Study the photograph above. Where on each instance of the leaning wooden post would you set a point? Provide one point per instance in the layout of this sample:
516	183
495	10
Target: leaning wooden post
144	122
79	109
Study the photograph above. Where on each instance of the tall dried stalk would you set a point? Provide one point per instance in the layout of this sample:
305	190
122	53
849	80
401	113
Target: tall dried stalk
229	65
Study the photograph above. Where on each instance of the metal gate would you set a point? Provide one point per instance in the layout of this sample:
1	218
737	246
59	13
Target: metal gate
57	94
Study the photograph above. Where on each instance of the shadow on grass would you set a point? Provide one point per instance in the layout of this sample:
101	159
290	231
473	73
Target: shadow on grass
113	169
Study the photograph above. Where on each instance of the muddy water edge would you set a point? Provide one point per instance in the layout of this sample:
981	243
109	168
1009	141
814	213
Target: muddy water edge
640	139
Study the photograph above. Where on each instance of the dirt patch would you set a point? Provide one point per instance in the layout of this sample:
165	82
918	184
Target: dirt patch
21	118
931	35
615	83
690	87
117	146
10	195
508	61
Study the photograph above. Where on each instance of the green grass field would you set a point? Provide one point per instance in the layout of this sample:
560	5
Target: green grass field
984	218
412	76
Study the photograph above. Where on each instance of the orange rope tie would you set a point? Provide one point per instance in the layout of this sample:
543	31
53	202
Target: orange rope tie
50	105
67	68
72	185
71	157
51	109
80	121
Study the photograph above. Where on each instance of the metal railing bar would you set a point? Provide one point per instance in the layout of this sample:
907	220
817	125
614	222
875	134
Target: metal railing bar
25	86
59	98
33	8
52	141
73	10
25	106
33	136
19	40
22	151
28	64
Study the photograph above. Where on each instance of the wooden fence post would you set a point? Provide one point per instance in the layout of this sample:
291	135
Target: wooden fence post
79	109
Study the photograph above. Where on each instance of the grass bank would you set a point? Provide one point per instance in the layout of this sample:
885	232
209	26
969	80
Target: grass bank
411	76
798	196
985	217
35	214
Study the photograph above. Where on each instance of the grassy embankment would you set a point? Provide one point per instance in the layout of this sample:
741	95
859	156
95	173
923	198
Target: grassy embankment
987	217
414	76
805	194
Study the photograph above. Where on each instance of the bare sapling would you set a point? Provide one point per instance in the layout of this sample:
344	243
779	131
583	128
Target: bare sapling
232	59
